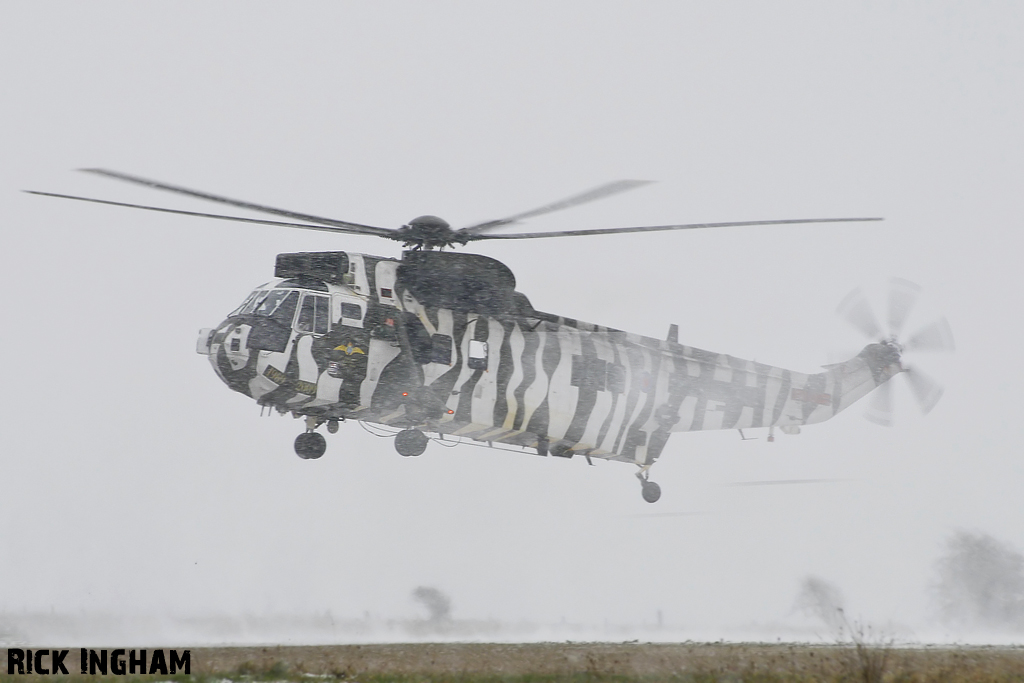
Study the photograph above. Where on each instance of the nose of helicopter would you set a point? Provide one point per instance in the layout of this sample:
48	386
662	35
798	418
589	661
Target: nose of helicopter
203	341
227	349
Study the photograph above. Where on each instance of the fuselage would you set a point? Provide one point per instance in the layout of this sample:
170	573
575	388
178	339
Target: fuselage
442	342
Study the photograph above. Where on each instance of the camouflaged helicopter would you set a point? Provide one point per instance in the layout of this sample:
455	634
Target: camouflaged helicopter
440	342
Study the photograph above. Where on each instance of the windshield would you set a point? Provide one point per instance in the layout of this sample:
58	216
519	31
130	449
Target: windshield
249	303
278	304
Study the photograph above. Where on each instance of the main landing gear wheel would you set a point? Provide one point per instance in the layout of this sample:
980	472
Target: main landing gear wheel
650	491
310	445
409	442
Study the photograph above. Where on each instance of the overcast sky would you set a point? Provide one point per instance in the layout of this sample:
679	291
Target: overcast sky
134	481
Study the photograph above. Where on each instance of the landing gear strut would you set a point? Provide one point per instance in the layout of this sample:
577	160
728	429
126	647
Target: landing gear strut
310	445
648	489
410	442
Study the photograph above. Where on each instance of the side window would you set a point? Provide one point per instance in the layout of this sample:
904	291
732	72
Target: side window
477	359
351	312
304	323
348	313
314	314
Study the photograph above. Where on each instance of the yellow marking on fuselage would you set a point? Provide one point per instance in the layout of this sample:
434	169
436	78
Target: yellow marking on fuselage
304	387
471	427
387	418
350	349
275	375
487	436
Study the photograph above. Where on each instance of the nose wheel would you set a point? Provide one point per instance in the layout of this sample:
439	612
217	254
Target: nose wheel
650	490
410	442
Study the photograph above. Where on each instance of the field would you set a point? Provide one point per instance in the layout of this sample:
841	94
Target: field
534	662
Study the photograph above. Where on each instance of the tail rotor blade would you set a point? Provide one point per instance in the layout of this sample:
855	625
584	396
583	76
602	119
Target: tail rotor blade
902	297
926	390
880	409
856	310
937	336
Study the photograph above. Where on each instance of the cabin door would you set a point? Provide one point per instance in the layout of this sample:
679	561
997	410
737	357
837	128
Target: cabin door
350	355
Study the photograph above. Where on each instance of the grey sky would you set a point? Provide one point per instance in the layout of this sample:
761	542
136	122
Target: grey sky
133	480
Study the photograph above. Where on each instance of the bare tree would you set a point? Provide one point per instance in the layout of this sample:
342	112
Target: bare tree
439	605
823	600
981	582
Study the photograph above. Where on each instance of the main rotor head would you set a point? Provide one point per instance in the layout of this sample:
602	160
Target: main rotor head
428	232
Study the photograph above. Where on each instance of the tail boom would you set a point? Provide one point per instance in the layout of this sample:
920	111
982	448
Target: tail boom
737	394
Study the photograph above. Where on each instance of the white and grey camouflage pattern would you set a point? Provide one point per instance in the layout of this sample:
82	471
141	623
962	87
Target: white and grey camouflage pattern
524	378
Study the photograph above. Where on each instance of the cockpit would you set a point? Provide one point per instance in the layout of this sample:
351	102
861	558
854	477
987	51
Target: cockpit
293	305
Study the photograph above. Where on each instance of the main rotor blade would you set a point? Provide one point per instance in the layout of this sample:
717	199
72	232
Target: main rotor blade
880	409
235	202
656	228
926	390
599	192
902	297
934	337
392	234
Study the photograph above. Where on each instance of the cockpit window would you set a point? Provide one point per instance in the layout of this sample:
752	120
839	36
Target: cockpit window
314	314
279	304
249	303
321	323
305	320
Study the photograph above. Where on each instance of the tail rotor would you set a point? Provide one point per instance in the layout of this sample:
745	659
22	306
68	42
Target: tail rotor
936	336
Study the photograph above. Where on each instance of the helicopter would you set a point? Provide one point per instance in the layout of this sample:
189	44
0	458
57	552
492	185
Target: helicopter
440	342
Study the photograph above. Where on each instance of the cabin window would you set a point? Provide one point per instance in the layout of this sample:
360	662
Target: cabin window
477	355
441	349
351	314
